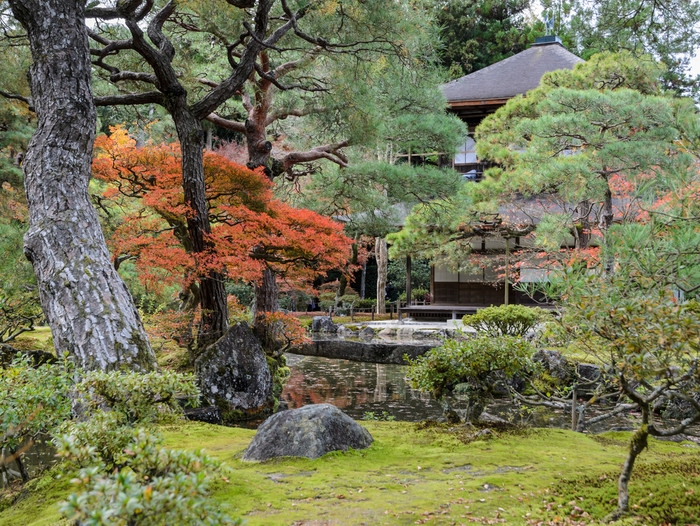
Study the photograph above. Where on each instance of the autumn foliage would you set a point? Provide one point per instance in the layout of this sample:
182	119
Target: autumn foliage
251	230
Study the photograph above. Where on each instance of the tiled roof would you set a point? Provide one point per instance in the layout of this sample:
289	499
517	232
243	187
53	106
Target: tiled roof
511	76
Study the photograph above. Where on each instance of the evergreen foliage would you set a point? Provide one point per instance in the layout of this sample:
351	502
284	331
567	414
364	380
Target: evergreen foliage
504	320
478	33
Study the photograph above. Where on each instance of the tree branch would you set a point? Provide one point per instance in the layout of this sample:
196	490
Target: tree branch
148	97
225	123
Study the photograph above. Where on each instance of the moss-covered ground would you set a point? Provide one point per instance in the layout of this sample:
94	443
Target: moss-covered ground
429	474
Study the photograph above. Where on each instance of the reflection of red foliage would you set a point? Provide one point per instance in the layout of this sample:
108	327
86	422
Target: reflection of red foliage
250	229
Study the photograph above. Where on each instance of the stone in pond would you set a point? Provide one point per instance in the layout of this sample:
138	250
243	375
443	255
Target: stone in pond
310	431
323	324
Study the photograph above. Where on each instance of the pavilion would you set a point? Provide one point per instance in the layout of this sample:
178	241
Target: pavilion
473	97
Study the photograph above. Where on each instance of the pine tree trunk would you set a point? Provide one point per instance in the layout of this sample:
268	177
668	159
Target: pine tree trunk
88	307
212	292
637	445
380	253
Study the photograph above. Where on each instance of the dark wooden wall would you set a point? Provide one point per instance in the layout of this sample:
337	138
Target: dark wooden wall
480	294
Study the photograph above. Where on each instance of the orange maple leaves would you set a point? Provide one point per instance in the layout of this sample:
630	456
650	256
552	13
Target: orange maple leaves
250	228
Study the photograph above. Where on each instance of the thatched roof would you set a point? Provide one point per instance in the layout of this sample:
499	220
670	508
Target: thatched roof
511	76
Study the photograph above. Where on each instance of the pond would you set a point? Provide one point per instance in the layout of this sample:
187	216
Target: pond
361	387
356	388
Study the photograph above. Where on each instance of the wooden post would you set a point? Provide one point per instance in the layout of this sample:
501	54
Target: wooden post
507	265
408	281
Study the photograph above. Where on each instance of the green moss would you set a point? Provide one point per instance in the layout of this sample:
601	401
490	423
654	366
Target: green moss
36	503
437	474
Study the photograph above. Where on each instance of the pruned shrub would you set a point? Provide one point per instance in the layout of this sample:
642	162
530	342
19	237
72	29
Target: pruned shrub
138	397
418	294
505	320
124	474
33	401
474	366
367	303
140	482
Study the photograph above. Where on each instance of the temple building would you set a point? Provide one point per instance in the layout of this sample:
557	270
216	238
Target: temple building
472	98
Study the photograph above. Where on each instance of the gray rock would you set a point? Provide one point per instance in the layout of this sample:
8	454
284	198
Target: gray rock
234	376
311	431
590	372
672	407
36	358
323	324
346	332
209	414
375	351
554	363
367	333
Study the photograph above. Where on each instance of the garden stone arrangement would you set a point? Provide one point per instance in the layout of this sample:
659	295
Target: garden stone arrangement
379	342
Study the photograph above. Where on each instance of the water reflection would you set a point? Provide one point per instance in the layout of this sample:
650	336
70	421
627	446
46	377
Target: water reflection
356	388
359	387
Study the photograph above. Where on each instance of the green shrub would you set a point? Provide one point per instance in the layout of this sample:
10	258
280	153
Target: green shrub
348	300
418	294
366	303
138	397
33	400
326	300
474	366
125	476
505	320
142	483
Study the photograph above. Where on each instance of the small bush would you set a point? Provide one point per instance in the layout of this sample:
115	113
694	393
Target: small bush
475	366
33	400
418	294
505	320
124	474
366	303
138	397
142	482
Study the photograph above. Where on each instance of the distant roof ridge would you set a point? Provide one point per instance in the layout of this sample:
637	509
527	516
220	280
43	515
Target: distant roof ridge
511	76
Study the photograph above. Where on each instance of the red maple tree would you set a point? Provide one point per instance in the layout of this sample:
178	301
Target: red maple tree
251	230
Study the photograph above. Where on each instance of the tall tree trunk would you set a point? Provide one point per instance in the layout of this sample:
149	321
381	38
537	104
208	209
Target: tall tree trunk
212	292
363	281
266	293
266	301
380	254
583	228
88	307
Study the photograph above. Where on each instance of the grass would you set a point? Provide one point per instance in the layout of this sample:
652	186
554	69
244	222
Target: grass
39	339
429	474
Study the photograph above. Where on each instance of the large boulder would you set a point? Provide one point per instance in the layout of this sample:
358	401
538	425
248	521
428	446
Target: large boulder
311	431
323	324
234	375
672	407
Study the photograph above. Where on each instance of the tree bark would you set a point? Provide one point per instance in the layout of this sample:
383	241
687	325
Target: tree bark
380	254
266	293
637	445
212	292
89	309
409	288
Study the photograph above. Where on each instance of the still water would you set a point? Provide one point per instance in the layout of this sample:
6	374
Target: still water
356	388
361	387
